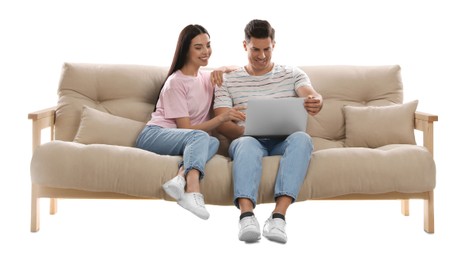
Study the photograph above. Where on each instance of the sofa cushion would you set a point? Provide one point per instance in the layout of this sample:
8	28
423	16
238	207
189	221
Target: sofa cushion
132	171
350	85
125	90
375	126
358	170
102	168
97	127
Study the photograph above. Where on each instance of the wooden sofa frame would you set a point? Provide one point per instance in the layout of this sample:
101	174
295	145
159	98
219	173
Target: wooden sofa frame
44	119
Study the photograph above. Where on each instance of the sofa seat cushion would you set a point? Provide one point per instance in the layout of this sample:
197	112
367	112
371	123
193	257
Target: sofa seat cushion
132	171
120	169
101	167
321	143
356	170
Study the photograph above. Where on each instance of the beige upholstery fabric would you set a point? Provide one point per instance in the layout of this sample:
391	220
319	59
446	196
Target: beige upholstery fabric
130	91
132	171
97	127
357	170
375	126
350	85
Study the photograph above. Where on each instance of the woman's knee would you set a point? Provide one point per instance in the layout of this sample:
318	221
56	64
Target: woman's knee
199	135
214	144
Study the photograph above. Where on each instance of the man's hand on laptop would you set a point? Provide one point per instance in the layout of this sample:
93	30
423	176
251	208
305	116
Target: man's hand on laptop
313	104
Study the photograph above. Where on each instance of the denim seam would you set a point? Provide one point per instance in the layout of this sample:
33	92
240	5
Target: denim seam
201	174
244	197
294	197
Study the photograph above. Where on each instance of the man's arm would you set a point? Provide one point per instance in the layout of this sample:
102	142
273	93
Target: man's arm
229	129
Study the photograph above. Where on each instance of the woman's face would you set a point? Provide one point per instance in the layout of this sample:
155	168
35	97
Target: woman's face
200	50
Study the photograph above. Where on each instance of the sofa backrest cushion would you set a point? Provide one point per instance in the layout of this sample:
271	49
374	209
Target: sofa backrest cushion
342	85
131	91
128	91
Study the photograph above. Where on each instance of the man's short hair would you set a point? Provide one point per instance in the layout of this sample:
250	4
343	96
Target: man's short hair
259	29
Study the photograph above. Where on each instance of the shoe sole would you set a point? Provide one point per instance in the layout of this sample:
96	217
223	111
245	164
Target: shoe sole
275	238
205	217
250	236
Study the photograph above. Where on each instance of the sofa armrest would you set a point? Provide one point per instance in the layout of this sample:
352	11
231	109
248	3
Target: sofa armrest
42	119
425	123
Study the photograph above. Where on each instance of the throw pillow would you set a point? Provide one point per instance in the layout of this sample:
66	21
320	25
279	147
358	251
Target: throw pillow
97	127
375	126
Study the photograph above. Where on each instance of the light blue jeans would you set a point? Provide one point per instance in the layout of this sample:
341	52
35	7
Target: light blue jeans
197	147
247	154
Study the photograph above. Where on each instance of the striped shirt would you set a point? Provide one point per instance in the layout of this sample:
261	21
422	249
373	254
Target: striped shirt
239	86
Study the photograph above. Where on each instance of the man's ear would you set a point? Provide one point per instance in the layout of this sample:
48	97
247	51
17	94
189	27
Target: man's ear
245	45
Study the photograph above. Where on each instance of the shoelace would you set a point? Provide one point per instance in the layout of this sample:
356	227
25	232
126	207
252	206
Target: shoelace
199	200
277	224
248	221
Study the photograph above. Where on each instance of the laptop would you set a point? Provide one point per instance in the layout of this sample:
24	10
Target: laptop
275	116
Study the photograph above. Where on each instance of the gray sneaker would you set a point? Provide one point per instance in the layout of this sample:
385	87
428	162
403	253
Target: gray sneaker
274	230
249	230
175	187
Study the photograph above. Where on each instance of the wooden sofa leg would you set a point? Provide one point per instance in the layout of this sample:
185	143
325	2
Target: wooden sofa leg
34	210
429	213
53	206
405	207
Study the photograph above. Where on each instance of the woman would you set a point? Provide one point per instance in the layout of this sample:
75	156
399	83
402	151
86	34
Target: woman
181	121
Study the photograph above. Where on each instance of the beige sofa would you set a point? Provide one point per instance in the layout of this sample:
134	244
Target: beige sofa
364	137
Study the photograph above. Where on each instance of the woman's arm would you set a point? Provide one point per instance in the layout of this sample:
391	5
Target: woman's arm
229	129
229	115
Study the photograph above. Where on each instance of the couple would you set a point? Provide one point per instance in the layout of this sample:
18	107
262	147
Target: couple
181	123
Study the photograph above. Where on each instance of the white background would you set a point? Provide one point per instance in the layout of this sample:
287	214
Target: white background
37	37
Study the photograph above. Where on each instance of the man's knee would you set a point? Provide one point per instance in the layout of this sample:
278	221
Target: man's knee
301	138
247	144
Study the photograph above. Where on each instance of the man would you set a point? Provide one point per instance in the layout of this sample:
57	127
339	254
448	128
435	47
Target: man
261	77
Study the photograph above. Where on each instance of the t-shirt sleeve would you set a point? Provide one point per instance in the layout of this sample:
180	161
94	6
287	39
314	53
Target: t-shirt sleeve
301	78
175	101
222	97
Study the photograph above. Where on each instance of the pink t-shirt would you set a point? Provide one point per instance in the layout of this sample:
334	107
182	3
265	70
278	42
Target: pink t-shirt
184	96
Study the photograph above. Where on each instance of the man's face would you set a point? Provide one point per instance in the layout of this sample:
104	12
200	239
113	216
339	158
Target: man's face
259	54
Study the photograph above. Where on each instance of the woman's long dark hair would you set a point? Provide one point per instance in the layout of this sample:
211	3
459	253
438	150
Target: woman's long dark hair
182	47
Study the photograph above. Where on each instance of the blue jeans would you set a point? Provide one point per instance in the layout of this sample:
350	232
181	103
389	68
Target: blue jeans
247	154
195	146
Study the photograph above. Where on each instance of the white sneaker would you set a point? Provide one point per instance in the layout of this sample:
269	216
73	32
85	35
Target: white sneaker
193	202
274	230
175	187
249	230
